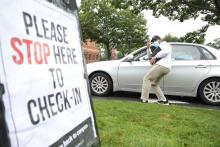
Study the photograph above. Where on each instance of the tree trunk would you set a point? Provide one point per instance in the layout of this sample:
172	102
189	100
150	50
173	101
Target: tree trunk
108	51
217	3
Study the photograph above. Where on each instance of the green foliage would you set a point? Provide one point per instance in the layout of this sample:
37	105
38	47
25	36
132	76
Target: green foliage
208	10
197	36
170	38
132	124
215	44
177	9
110	26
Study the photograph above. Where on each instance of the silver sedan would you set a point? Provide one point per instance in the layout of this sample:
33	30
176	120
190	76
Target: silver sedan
195	72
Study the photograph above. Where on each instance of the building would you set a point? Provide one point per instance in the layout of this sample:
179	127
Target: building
91	52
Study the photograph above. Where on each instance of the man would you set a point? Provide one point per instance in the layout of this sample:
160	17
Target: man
161	65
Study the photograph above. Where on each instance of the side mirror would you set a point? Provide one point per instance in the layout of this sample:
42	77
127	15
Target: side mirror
130	58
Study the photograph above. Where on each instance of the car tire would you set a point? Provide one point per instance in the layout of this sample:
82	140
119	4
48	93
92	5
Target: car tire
209	91
100	84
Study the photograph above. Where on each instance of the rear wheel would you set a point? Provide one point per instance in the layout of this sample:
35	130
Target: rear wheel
209	91
100	84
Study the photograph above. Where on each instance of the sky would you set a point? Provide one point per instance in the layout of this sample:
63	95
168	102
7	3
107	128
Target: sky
162	26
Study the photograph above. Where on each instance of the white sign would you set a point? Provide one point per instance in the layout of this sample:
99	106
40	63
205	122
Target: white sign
46	95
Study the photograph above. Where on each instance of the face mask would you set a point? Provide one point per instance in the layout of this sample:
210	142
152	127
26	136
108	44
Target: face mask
155	44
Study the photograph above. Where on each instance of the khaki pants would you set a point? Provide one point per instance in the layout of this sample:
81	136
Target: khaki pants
153	77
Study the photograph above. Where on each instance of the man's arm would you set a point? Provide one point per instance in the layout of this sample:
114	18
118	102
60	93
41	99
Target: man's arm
165	50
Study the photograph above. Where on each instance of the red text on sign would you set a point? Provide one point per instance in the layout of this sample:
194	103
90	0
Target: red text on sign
29	51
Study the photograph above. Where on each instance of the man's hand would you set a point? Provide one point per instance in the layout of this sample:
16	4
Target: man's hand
153	60
148	44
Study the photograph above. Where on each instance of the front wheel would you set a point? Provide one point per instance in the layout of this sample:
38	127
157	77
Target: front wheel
100	84
209	91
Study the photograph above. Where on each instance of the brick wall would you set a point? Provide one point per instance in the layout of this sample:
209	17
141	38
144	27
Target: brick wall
91	52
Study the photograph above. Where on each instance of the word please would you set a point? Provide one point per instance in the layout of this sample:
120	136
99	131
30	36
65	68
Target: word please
42	28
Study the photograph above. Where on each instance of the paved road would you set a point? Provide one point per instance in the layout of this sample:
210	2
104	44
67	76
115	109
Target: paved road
173	100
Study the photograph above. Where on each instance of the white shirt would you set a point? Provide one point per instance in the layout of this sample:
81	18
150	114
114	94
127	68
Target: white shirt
164	54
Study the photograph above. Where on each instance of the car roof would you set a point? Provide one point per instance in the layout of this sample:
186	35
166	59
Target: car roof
185	43
180	43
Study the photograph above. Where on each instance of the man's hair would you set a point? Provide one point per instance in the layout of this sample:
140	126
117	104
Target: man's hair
155	38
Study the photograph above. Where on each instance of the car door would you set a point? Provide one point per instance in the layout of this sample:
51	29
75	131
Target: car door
188	67
131	73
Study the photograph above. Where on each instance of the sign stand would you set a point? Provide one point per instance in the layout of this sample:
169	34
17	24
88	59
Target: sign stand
97	141
4	141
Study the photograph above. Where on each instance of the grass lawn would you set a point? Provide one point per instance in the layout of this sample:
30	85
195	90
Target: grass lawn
133	124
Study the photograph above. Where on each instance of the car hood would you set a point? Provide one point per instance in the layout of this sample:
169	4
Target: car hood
102	65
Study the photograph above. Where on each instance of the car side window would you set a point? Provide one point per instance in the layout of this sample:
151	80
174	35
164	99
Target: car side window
141	55
207	54
186	52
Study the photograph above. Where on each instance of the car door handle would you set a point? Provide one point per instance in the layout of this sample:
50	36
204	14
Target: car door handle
201	66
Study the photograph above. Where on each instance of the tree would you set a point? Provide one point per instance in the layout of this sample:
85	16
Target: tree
215	44
177	9
197	36
170	38
110	26
217	3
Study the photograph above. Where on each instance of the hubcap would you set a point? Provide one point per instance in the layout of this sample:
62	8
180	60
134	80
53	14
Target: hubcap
212	91
99	84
